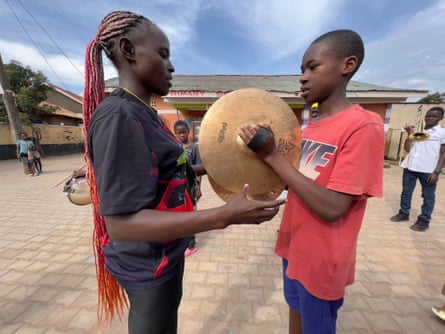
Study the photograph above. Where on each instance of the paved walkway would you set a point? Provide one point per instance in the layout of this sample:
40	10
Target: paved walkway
232	284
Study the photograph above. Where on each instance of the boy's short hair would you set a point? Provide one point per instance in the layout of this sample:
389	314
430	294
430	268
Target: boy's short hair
345	43
179	123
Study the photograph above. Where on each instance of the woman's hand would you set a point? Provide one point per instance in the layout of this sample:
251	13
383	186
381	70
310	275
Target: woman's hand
242	210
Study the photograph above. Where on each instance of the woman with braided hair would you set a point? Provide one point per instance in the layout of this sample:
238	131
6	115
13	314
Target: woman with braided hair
143	214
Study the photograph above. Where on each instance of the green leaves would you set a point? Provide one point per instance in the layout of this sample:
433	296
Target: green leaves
433	98
29	89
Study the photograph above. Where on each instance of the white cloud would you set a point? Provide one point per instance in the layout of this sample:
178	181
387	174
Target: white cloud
60	73
412	55
30	56
282	27
179	26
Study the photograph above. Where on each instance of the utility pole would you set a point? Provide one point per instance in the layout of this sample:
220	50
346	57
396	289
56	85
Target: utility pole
9	101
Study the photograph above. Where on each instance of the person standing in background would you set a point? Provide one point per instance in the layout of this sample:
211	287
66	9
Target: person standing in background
36	157
182	132
424	162
24	154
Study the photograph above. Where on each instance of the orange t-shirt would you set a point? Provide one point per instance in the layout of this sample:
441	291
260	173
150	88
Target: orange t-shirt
343	153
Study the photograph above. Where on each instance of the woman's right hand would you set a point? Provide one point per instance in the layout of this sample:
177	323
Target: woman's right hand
242	210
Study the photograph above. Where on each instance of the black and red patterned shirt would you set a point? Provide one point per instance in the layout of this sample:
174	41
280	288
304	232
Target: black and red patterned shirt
139	164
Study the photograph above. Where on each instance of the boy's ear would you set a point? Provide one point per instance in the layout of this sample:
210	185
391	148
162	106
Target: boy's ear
126	48
350	65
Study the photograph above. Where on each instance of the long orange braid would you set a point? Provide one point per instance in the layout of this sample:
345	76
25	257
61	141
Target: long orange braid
112	299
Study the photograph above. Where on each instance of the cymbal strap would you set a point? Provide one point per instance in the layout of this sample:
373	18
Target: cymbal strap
260	138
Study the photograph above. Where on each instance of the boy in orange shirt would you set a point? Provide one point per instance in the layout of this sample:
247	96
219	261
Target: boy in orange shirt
341	165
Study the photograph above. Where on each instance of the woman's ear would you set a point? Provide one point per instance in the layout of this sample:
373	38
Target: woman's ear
126	48
350	65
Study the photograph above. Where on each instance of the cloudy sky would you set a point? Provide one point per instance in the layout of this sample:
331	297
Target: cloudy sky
404	40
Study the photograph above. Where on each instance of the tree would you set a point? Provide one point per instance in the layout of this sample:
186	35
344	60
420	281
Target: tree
9	106
434	98
29	89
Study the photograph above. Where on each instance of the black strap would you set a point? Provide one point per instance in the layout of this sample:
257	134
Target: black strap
259	139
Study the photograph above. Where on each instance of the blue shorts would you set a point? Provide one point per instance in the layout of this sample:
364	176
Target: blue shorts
318	316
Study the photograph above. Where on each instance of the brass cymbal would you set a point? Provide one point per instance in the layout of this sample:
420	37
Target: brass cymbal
79	194
227	195
228	161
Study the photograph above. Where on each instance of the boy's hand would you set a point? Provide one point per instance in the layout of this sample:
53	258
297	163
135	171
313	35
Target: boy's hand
432	179
198	194
409	129
79	173
259	138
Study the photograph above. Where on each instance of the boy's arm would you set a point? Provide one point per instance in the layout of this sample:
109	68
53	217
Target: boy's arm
408	141
441	161
434	177
18	149
328	204
196	162
407	145
197	156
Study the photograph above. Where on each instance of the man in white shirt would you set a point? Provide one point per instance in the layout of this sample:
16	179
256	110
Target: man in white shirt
423	162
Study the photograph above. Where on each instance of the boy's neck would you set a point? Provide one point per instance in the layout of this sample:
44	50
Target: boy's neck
325	111
426	127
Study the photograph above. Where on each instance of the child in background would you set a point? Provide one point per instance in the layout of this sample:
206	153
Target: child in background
182	132
24	154
341	165
36	157
423	162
